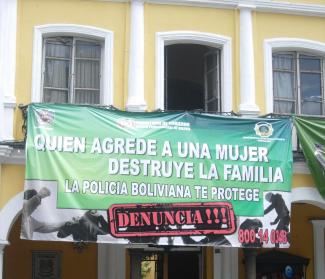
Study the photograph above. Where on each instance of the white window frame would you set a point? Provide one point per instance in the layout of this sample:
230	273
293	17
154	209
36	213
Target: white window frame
284	44
89	32
296	71
191	37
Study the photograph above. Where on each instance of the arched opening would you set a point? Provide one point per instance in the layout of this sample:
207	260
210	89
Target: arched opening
186	47
47	258
97	259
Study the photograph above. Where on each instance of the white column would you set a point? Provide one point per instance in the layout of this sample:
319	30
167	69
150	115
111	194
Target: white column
8	29
111	261
319	257
136	100
225	263
247	70
3	244
217	264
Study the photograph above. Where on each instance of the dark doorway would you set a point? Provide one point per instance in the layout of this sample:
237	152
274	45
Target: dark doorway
280	265
170	263
183	265
192	77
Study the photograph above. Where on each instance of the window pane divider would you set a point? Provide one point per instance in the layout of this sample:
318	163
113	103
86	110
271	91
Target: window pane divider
72	80
57	58
56	88
89	89
70	58
298	109
284	99
88	59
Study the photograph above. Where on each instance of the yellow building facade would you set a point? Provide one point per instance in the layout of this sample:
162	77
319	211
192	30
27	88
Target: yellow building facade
148	51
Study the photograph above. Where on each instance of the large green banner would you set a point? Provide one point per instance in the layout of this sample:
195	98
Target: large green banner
163	178
311	135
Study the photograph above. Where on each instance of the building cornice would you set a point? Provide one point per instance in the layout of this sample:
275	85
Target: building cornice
259	5
11	155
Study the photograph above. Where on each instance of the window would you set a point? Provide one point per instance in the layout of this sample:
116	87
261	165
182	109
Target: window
194	43
298	83
74	35
192	77
71	70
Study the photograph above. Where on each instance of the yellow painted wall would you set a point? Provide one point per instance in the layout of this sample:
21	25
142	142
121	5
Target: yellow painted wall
163	18
302	180
18	257
102	14
11	182
268	26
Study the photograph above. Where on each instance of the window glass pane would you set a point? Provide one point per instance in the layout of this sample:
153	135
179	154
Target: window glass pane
309	63
87	74
311	94
284	107
55	96
56	73
86	49
58	47
58	64
283	62
283	85
212	60
311	108
310	86
87	97
213	105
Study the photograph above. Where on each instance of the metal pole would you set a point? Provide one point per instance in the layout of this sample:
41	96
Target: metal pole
250	263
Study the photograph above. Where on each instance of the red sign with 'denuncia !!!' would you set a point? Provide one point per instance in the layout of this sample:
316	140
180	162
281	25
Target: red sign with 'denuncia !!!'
133	220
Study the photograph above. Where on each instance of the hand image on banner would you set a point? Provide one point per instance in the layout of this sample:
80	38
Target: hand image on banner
159	178
311	135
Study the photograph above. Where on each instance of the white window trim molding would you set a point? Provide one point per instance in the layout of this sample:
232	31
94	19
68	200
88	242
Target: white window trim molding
279	44
74	30
191	37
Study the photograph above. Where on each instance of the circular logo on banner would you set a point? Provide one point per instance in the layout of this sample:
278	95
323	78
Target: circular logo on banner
263	129
288	271
44	117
